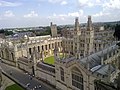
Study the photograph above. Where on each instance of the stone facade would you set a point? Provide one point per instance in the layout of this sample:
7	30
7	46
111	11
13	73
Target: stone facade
42	46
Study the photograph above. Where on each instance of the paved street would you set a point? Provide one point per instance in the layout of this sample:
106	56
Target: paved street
25	78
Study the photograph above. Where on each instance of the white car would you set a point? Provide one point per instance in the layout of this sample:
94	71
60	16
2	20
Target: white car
39	86
28	84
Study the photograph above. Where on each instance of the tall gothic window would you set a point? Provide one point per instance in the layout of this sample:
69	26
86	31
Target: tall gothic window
62	73
38	48
45	47
77	79
42	47
12	56
30	51
49	46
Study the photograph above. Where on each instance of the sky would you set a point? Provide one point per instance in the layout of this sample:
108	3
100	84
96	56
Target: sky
30	13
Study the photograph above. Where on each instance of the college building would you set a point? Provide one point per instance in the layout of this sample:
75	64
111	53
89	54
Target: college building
88	54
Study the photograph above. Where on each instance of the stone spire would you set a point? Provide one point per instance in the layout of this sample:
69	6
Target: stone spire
76	24
89	23
77	27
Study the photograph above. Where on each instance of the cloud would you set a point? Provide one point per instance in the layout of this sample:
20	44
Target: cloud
54	1
9	14
31	14
63	2
110	11
71	14
76	14
9	4
112	4
101	13
103	3
67	18
84	3
88	3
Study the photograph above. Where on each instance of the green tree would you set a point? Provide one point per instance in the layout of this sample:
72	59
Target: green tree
117	31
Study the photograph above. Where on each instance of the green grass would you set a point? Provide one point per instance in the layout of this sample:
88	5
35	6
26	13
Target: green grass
14	87
51	60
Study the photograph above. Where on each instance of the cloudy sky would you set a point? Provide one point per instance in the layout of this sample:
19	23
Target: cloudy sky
24	13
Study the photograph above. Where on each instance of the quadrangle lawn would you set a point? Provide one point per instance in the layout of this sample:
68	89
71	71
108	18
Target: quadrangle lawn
14	87
51	60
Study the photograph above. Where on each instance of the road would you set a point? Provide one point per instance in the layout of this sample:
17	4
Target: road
24	78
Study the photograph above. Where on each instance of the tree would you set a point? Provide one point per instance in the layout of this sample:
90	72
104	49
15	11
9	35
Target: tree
117	32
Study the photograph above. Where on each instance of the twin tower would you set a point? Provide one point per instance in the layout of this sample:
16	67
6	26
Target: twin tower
76	30
79	41
83	39
89	24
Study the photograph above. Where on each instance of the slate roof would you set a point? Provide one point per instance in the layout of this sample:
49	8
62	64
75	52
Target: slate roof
46	67
105	69
95	59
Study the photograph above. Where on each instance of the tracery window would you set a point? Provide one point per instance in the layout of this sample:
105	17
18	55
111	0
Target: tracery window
77	79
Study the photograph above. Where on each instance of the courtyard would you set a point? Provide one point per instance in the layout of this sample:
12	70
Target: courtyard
51	60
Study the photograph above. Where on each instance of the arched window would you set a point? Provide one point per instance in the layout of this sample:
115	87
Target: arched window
45	47
62	73
30	51
38	48
42	47
77	78
12	56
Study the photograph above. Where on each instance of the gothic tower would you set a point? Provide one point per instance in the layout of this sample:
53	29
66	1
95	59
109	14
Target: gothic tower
53	30
77	27
89	37
76	37
89	23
